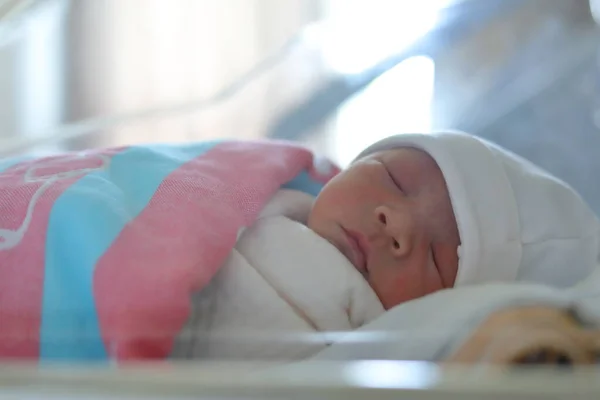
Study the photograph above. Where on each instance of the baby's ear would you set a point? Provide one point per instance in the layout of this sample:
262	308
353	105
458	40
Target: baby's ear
530	336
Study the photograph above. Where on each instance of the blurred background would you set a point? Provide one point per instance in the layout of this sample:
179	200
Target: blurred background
335	75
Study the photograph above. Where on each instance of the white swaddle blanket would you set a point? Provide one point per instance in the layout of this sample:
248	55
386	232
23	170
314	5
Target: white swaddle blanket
280	286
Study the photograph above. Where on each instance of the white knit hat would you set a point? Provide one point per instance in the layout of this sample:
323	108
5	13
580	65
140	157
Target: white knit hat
516	222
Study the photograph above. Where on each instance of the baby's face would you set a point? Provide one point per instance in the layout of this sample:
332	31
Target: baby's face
390	215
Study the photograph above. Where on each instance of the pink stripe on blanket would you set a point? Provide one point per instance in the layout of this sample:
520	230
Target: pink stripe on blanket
37	183
143	282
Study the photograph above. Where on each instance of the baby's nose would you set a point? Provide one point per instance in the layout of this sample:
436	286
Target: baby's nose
398	229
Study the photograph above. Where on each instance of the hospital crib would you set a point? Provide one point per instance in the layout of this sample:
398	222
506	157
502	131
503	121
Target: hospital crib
250	381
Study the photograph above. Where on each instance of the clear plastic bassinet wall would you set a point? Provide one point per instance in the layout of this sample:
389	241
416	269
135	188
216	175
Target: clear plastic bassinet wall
335	75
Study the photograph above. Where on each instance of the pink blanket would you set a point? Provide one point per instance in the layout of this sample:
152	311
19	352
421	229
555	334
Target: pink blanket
100	250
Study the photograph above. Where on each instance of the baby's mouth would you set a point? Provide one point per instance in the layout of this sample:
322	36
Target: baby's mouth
358	255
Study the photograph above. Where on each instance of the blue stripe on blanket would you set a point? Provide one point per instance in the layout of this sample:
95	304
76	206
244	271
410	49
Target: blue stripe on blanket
304	183
88	217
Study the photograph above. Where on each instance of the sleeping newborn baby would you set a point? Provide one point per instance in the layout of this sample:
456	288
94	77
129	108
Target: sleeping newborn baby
414	214
389	215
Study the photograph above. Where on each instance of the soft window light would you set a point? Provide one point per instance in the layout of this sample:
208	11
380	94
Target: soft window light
358	35
396	102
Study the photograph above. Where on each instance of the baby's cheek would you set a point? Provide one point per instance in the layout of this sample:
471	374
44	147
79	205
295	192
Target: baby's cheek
399	285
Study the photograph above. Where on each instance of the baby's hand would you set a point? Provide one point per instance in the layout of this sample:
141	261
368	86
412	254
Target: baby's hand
530	335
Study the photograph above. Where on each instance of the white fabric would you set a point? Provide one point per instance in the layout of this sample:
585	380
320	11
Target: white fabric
433	327
516	222
280	285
